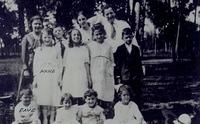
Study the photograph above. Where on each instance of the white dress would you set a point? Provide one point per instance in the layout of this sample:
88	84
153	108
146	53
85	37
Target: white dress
86	35
46	68
75	77
102	64
126	114
67	116
119	25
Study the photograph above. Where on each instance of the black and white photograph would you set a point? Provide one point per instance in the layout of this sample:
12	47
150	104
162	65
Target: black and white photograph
99	61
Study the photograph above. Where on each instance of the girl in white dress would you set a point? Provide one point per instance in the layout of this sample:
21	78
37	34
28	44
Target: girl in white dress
67	113
126	111
46	69
102	66
76	77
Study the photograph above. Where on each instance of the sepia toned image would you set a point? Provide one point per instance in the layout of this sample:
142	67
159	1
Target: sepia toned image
99	62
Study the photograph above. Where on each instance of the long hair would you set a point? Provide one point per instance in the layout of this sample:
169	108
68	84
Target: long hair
71	42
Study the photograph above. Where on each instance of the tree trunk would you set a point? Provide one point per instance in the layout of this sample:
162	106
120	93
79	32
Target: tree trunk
177	40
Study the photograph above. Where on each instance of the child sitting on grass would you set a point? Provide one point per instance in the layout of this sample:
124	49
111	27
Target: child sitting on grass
26	111
126	111
67	113
90	112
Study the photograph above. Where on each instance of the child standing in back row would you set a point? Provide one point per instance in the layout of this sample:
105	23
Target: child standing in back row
47	70
76	76
60	42
102	64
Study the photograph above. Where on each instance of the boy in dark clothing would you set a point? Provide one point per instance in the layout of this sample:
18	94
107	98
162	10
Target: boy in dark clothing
128	69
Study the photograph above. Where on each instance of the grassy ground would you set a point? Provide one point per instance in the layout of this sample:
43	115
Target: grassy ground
9	74
10	65
173	84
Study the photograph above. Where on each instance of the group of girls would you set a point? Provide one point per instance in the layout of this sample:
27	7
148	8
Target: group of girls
82	67
81	61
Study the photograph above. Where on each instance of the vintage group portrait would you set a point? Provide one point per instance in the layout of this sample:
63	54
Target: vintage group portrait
99	61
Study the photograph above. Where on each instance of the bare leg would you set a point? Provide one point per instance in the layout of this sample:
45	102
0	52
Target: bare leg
52	114
45	114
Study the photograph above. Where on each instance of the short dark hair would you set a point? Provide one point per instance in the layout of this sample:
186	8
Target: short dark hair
127	31
107	6
58	25
26	92
90	93
67	96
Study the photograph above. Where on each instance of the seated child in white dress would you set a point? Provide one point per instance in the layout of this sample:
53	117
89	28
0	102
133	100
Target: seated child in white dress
126	111
26	111
67	113
90	112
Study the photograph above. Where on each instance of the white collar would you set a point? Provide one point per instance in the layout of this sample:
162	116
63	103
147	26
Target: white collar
129	47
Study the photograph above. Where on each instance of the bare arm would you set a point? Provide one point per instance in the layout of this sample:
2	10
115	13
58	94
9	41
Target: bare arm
87	67
60	67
